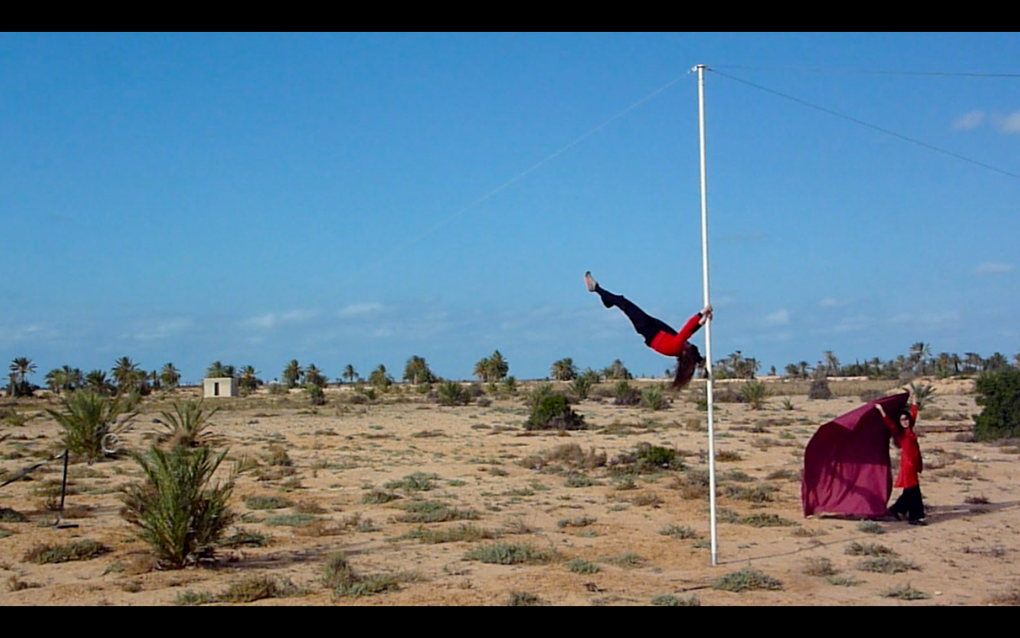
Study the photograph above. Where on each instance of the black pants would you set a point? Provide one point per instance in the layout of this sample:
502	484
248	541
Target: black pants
645	325
910	503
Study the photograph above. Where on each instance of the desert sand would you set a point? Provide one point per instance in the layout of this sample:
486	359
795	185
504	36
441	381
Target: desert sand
603	535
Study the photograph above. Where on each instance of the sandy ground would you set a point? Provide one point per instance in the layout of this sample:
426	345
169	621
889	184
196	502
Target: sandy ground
602	531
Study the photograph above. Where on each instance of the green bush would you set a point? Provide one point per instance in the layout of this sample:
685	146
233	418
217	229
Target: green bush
999	394
746	579
653	398
626	394
553	412
176	510
452	393
755	393
584	383
316	395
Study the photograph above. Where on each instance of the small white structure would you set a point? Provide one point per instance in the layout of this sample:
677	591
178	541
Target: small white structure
219	387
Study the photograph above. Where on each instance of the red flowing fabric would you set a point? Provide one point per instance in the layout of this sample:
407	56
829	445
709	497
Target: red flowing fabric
846	463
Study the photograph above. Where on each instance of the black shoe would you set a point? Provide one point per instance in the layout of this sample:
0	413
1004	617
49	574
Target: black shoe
891	513
917	522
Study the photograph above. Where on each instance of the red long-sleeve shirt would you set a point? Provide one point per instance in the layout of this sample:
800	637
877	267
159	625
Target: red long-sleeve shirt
673	345
910	452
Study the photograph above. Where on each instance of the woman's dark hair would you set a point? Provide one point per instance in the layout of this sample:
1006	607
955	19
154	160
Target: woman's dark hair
897	437
686	363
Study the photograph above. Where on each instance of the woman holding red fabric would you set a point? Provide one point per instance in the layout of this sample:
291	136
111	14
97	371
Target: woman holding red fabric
658	335
911	465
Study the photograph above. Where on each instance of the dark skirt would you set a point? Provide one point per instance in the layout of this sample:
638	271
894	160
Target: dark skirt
910	504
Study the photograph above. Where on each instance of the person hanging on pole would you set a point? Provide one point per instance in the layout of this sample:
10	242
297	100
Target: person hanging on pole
658	335
909	503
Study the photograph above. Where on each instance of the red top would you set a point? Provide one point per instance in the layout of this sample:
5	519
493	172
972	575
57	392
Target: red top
910	458
673	345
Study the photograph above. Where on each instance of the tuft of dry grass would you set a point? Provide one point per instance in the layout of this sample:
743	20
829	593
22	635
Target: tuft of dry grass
79	550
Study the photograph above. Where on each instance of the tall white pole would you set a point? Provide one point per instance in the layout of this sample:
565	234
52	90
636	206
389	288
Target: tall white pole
708	324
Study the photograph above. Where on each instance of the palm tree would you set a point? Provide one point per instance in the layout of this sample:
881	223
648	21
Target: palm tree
973	362
617	371
314	376
20	368
996	362
54	380
350	374
124	373
831	363
564	370
292	374
217	370
379	378
803	369
417	371
248	379
169	376
64	379
482	369
97	382
498	366
956	361
942	364
791	370
920	353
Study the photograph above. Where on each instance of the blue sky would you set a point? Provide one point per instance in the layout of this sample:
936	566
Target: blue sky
361	198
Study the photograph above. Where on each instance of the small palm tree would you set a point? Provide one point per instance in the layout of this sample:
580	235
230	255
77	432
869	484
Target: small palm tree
177	510
91	423
186	424
755	393
921	393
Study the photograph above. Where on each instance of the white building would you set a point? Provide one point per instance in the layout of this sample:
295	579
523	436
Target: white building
219	387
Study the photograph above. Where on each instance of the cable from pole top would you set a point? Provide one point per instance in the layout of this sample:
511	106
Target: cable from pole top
870	72
930	147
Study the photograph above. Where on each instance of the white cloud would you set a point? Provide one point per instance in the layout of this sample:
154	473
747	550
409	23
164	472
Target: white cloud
1009	123
780	317
927	320
164	329
969	121
848	324
24	333
272	320
360	310
831	302
991	268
